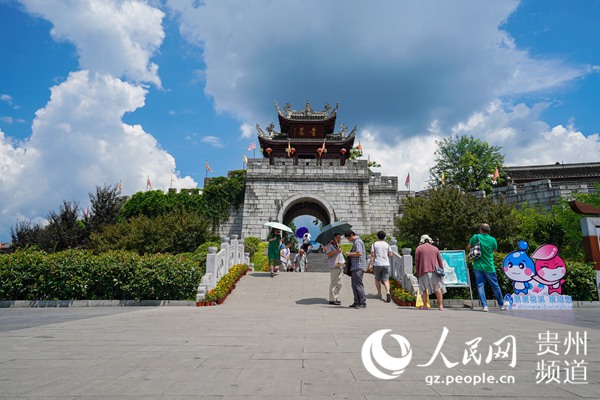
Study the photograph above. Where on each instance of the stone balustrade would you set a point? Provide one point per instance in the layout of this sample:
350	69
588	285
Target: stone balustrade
401	268
232	252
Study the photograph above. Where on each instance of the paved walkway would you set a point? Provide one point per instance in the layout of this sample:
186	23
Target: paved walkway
277	338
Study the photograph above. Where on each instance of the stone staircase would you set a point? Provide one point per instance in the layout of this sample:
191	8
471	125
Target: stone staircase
317	262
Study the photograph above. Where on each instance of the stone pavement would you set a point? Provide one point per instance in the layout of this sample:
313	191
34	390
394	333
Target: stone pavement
278	338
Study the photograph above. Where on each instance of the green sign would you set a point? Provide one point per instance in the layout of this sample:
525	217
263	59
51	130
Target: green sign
455	267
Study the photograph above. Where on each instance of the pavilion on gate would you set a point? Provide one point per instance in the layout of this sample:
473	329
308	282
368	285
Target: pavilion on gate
306	134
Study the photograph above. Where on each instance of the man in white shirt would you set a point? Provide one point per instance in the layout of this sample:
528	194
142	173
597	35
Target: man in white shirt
380	253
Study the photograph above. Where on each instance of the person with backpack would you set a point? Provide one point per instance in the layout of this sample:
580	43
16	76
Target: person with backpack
483	266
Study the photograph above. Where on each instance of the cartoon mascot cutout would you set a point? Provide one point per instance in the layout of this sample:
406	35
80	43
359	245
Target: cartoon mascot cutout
537	278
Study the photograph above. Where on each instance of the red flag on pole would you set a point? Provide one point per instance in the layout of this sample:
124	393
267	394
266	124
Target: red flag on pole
148	183
407	181
360	148
208	168
496	176
252	146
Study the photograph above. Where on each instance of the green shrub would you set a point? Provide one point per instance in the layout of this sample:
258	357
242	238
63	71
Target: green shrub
260	261
580	281
175	232
81	275
251	244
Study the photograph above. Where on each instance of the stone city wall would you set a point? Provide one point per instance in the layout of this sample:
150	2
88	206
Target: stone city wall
541	194
345	193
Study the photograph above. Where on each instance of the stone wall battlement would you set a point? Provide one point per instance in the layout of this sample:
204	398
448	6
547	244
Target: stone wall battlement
318	170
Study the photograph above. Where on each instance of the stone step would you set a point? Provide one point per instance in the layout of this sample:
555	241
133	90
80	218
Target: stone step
317	262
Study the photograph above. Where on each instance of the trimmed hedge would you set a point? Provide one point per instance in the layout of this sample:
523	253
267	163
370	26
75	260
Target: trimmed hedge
81	275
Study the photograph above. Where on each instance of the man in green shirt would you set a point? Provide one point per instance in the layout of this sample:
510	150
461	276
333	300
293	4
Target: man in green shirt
483	267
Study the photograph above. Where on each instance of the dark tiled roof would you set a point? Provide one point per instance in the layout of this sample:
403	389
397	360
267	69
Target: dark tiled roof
557	172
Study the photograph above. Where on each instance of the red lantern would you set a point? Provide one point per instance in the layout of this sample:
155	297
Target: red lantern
319	151
269	150
292	150
343	151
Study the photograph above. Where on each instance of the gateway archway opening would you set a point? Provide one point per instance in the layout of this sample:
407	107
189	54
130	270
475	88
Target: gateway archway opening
307	214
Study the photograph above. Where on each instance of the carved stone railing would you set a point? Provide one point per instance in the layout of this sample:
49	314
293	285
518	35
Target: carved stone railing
401	268
218	263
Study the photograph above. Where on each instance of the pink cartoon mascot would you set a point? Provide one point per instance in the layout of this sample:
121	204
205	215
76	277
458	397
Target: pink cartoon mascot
550	268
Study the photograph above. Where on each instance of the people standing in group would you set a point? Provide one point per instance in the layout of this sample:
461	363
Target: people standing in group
284	256
274	239
335	262
358	265
380	261
483	266
427	258
300	261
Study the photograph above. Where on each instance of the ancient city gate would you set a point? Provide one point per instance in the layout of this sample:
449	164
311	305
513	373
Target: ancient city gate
306	169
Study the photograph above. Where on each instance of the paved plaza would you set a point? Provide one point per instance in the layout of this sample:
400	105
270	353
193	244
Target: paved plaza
278	338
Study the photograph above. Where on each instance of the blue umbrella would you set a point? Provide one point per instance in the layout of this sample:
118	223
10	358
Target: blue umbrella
328	231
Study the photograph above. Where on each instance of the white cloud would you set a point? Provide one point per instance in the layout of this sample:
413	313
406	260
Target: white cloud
247	131
78	139
74	147
526	140
401	157
409	73
115	37
7	99
213	141
400	65
6	119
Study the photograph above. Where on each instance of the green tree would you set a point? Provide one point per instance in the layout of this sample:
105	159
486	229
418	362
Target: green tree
104	207
451	217
465	162
64	230
25	234
221	194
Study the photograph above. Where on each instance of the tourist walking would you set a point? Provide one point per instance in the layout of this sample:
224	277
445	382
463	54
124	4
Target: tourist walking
483	266
274	239
284	256
306	241
300	261
380	261
335	262
427	258
358	265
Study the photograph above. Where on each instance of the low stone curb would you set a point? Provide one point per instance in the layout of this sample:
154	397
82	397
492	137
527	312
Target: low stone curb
450	303
93	303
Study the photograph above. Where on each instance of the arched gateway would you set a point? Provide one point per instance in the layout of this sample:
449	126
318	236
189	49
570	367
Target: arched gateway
306	170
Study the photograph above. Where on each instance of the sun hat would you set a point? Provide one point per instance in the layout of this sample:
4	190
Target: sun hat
425	238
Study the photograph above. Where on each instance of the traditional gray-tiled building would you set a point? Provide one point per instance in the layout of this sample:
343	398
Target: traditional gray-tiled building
306	169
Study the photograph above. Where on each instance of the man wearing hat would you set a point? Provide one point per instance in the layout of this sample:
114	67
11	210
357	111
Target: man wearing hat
427	257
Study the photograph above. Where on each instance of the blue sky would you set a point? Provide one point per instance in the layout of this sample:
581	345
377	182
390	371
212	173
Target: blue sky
95	92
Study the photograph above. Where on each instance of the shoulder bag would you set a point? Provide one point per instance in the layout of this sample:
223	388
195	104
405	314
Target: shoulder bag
475	251
347	267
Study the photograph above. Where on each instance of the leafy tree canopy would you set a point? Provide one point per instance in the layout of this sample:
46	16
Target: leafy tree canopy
465	162
451	217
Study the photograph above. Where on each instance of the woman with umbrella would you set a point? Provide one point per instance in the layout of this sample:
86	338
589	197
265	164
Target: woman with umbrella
274	239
